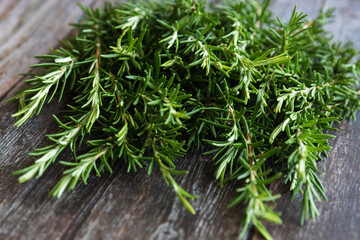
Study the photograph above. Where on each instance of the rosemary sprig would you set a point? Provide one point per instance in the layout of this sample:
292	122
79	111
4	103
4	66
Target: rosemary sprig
154	79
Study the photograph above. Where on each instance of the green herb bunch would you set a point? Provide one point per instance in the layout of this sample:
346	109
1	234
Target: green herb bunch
152	80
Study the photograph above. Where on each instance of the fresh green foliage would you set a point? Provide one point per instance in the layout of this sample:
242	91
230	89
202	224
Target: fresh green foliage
152	80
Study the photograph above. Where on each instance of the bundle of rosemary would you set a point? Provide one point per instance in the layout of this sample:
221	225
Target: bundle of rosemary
152	80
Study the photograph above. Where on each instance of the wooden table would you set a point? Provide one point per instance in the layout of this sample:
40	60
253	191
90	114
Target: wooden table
137	206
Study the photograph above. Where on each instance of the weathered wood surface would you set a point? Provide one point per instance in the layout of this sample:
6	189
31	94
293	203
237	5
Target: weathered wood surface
29	28
134	205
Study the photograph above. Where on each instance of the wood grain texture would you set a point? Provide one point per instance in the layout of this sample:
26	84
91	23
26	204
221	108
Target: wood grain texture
135	205
29	28
340	216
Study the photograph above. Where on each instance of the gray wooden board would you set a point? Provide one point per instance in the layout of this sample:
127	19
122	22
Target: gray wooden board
134	205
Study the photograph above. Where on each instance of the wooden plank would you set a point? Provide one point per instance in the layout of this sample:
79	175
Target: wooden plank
134	205
340	216
28	28
26	210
